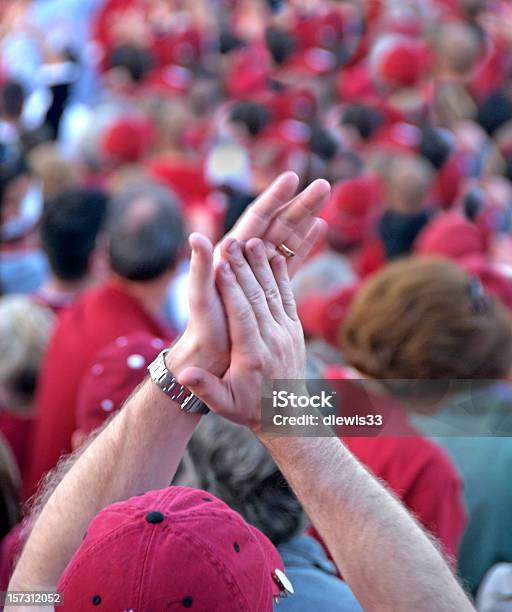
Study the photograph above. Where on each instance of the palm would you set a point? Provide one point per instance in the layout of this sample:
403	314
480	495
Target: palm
276	217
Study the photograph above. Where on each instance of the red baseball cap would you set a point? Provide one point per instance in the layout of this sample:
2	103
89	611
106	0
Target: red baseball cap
401	61
322	316
249	72
115	372
351	209
128	139
171	549
451	235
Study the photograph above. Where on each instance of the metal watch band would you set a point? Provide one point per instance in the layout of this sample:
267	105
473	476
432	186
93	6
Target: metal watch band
161	376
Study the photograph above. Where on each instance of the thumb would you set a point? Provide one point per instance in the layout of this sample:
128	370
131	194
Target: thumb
201	281
207	387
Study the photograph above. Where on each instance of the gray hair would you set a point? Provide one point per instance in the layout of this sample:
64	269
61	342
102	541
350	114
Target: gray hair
145	232
25	329
234	466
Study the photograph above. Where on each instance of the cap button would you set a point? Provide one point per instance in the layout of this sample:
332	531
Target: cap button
154	517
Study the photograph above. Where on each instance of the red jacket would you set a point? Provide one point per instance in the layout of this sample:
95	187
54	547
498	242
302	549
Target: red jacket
97	318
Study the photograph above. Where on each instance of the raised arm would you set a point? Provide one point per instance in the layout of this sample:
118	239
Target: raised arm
139	450
386	558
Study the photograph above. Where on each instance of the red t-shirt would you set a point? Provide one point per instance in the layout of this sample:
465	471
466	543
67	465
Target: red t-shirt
415	468
97	318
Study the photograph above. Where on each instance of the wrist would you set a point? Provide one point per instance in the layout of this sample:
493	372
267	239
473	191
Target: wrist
187	352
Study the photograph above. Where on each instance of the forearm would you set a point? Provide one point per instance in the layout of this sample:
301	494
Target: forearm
386	558
139	450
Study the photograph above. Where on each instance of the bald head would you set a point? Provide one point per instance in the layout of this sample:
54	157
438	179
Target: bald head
409	179
145	232
459	48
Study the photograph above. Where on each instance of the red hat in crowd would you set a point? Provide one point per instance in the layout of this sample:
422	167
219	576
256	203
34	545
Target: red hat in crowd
323	30
127	140
452	235
351	209
401	61
322	316
249	73
173	548
117	369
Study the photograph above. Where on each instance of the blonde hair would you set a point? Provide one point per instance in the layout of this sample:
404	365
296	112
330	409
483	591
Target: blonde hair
418	319
25	329
55	173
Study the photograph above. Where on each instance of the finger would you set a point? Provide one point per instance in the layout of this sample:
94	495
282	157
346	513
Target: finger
201	281
296	220
242	324
280	270
256	220
232	253
315	234
257	257
207	387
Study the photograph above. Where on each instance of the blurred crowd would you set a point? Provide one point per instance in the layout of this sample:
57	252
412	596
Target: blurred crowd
125	125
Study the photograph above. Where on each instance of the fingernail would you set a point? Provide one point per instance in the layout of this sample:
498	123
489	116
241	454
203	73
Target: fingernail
257	247
233	247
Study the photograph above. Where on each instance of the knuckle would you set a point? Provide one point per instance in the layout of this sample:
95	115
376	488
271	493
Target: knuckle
254	361
271	292
254	296
288	298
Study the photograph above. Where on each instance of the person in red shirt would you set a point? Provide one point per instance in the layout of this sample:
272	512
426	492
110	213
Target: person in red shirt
145	236
415	323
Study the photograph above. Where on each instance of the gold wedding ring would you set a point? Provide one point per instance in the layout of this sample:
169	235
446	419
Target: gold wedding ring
284	250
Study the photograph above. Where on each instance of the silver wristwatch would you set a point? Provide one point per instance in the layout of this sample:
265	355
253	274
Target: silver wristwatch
161	376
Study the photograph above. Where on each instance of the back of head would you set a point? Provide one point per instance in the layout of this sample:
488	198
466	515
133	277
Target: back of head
280	43
233	465
52	169
145	232
135	61
459	47
254	117
69	229
436	145
408	181
25	329
12	99
427	319
365	119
